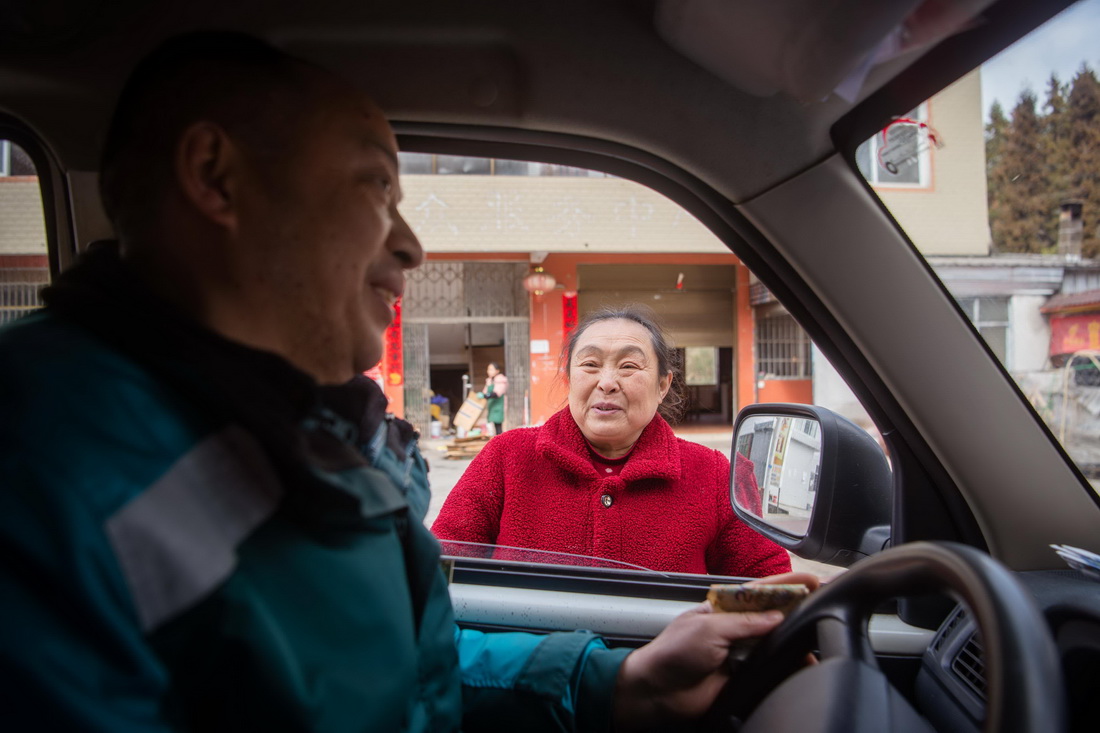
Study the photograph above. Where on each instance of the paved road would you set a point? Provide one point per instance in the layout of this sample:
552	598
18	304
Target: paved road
444	474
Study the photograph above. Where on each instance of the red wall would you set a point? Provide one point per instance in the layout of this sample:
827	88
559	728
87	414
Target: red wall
787	390
548	392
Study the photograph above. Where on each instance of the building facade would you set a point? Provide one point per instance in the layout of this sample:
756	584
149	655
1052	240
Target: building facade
488	224
24	265
606	241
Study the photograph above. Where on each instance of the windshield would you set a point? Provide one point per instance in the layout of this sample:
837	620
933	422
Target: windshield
995	181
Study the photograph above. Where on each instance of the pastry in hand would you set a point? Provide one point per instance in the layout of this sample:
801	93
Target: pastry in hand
740	598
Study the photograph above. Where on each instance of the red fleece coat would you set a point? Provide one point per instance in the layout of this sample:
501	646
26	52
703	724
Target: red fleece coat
669	506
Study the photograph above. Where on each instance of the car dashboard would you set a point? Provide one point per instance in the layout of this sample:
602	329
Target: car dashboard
951	685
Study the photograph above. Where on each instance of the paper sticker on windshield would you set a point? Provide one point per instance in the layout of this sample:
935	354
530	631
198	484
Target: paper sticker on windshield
903	141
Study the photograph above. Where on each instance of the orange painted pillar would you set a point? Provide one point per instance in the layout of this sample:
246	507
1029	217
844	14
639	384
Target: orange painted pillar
744	341
547	336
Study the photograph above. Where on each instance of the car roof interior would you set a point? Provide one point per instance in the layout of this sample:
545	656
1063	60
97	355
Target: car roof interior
501	78
515	65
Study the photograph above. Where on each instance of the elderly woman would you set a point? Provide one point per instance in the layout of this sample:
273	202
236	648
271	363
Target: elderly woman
606	476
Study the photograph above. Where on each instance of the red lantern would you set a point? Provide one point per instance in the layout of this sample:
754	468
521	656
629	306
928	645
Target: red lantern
539	282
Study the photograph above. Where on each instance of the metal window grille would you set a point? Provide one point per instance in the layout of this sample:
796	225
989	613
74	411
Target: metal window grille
417	374
807	427
17	299
782	348
517	357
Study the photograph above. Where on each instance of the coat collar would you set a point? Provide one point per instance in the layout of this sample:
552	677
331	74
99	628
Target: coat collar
656	455
309	433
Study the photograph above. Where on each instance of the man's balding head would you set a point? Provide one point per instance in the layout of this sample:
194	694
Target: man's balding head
256	93
259	195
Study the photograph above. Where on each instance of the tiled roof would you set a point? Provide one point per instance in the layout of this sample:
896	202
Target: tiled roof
1072	301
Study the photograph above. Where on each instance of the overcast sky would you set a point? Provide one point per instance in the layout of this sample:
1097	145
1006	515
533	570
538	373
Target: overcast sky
1059	47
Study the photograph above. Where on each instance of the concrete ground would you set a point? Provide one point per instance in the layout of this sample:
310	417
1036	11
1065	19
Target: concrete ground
444	474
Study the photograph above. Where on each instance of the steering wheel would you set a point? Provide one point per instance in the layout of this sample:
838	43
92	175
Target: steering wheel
847	692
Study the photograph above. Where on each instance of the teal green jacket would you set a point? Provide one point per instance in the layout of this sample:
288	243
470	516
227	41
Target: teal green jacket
166	565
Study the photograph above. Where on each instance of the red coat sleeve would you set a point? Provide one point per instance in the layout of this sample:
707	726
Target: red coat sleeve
748	493
471	511
738	549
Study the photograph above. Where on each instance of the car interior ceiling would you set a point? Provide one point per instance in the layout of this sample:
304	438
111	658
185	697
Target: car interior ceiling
469	53
473	71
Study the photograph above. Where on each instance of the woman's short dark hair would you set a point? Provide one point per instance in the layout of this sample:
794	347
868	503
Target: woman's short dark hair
495	365
668	358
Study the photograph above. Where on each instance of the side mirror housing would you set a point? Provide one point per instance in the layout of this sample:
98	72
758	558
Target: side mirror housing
812	481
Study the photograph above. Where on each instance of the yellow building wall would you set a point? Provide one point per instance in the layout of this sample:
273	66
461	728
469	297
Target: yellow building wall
22	225
950	217
463	213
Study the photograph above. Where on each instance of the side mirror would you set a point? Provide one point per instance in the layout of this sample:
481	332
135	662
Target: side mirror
812	481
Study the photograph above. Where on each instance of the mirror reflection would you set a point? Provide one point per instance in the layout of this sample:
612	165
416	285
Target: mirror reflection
777	462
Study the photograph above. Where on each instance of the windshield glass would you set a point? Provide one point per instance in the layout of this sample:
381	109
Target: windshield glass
995	180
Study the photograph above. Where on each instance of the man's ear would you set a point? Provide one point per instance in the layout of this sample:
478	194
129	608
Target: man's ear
206	164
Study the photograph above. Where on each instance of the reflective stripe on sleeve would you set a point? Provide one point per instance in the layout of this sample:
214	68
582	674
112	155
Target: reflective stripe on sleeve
177	541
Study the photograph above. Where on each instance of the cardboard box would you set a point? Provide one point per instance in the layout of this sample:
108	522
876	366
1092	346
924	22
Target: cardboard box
470	412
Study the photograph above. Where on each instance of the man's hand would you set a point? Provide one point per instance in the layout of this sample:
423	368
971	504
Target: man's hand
679	674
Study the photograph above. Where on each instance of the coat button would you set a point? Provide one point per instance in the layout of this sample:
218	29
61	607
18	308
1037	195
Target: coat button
606	500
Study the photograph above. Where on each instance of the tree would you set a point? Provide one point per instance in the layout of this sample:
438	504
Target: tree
1035	161
995	133
1056	143
1021	210
1083	166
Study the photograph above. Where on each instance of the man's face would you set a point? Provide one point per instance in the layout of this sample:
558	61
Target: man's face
334	243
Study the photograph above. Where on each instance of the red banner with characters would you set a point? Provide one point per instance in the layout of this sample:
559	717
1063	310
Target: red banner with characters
568	314
393	359
1074	333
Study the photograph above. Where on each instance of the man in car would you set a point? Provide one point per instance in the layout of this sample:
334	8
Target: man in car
207	521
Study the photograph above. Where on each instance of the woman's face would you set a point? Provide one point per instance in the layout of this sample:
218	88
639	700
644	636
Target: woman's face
614	389
491	370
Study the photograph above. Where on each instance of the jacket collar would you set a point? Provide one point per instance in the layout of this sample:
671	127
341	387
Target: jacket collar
656	455
103	294
308	432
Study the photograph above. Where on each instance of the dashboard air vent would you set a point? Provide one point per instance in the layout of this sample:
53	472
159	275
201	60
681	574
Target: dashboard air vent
969	665
948	628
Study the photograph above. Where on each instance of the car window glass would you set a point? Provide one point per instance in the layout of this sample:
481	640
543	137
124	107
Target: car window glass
477	550
519	251
24	264
1002	198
